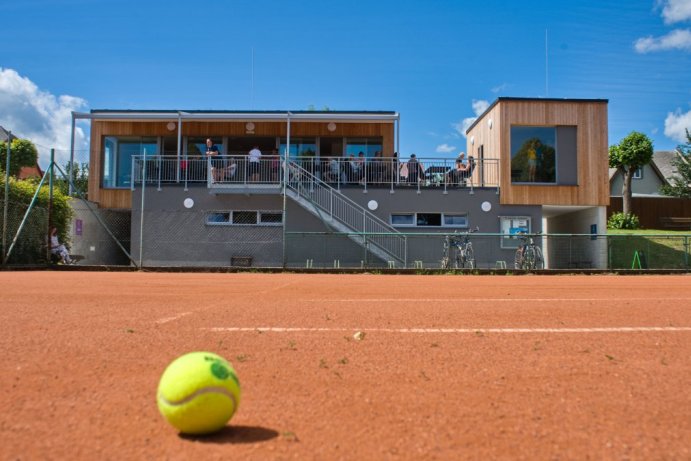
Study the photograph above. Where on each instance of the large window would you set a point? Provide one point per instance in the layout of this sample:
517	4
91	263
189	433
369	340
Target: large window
301	147
533	154
117	158
367	146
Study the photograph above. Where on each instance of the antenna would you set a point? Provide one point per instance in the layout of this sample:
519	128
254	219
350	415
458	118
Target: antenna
546	67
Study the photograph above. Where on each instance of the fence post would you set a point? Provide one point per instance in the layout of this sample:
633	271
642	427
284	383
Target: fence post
50	199
141	216
7	199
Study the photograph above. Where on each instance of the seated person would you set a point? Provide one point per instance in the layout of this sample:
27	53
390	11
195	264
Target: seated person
460	172
57	248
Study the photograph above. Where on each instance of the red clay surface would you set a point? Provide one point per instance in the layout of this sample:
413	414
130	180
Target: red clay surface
82	354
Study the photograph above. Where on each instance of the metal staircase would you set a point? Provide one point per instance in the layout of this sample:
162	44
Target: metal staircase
344	215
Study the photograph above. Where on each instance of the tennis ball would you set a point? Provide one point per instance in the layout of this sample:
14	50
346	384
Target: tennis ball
198	393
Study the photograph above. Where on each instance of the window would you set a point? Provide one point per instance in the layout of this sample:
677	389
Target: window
533	154
638	174
367	146
407	219
244	218
117	158
429	219
512	225
300	147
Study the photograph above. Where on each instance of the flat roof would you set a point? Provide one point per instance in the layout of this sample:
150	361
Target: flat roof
219	115
510	98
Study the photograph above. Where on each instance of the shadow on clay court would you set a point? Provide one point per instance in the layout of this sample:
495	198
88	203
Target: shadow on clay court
235	434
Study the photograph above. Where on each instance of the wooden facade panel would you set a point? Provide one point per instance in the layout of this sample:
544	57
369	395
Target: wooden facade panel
118	198
590	118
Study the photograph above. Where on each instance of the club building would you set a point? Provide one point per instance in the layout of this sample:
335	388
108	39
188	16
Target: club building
331	187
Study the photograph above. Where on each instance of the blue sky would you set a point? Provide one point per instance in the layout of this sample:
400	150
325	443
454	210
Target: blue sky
437	63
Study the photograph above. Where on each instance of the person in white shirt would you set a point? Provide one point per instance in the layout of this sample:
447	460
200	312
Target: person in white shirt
57	248
255	156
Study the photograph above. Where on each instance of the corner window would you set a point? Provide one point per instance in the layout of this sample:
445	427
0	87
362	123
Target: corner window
117	158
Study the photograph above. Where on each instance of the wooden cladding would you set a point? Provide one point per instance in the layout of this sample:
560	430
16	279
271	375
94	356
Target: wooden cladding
121	198
590	120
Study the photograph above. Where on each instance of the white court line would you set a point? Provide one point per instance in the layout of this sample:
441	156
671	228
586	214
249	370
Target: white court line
492	300
449	330
173	318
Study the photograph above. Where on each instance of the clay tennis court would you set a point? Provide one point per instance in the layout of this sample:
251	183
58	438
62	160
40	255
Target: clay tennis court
450	367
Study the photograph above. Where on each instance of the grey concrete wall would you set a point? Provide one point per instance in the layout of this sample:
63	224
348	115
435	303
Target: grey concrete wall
577	252
91	237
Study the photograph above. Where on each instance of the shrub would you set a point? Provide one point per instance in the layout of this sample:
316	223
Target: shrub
623	221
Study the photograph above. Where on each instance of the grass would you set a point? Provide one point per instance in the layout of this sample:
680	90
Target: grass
657	249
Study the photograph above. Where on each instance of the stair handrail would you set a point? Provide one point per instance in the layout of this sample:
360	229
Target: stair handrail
373	229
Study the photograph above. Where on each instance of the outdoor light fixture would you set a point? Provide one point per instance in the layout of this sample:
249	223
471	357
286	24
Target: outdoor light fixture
249	126
472	140
489	123
171	126
331	126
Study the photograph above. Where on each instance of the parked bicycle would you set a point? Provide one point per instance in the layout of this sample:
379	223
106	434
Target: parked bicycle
461	245
528	255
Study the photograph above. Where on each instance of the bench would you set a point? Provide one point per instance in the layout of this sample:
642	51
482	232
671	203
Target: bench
676	223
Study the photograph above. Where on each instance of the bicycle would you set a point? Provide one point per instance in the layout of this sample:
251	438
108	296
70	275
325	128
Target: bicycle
528	255
464	258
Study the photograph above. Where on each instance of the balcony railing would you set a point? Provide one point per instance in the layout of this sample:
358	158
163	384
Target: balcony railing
338	172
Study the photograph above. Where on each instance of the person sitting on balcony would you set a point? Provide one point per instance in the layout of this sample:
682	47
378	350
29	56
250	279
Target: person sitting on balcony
216	161
58	248
254	158
415	169
459	173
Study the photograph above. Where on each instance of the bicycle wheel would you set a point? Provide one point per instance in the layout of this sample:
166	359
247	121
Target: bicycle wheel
539	260
529	258
518	259
469	260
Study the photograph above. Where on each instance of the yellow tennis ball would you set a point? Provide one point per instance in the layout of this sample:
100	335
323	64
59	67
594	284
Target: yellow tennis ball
198	393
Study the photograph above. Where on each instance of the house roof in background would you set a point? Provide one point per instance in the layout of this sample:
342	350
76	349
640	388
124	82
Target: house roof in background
4	134
661	163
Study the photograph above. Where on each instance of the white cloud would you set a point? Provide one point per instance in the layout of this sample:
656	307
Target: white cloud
676	10
479	106
679	39
676	125
41	117
445	148
500	88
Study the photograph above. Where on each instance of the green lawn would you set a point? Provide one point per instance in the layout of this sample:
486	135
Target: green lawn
657	249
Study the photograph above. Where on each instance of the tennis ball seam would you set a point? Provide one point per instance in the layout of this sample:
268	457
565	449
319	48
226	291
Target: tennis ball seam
197	393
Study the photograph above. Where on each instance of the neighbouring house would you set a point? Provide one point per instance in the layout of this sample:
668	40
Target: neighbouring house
648	179
331	186
6	135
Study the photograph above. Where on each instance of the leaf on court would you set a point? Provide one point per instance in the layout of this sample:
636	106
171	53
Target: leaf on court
359	336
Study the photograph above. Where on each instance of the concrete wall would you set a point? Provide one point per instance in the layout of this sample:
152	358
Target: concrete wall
91	230
577	252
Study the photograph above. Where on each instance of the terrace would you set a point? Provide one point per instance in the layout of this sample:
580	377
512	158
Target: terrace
235	173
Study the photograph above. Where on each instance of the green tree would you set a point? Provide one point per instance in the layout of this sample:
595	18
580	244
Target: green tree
681	182
80	179
22	153
632	153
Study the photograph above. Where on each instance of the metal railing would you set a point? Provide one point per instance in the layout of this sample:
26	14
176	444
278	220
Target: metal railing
337	207
338	172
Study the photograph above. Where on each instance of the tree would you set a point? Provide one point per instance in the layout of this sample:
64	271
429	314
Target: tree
80	178
633	152
681	182
22	153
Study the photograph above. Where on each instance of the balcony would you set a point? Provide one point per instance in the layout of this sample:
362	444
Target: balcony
236	173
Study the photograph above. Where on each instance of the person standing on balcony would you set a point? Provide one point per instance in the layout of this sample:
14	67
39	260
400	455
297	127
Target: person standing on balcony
216	164
415	169
254	158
